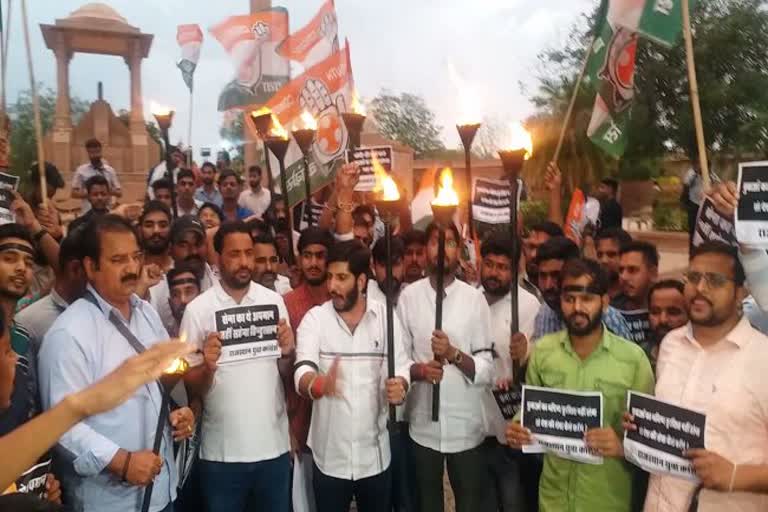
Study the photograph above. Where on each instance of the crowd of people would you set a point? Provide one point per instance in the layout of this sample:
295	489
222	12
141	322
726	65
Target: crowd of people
305	426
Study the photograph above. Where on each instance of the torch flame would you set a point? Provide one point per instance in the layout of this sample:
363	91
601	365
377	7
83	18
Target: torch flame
520	138
357	106
308	121
385	185
277	129
261	112
158	109
446	195
468	96
178	366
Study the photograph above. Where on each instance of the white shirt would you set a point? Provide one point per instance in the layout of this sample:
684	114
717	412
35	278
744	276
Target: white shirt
160	294
86	171
158	173
466	321
245	418
348	435
501	313
193	211
257	202
282	284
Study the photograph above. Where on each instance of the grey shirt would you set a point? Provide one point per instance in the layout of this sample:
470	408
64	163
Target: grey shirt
38	317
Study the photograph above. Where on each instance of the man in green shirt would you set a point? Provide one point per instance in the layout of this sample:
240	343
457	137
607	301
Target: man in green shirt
587	357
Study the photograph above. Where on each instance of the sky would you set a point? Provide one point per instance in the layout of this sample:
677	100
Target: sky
399	45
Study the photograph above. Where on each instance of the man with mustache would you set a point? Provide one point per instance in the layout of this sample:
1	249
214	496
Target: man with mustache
497	266
108	458
97	194
348	434
244	451
415	256
666	312
638	270
608	244
587	357
377	286
155	234
459	357
537	236
266	263
184	287
716	365
550	259
95	167
208	192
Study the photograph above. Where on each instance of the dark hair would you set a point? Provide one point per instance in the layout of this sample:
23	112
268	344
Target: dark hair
185	173
161	183
155	206
52	175
92	143
549	228
226	229
94	231
610	182
254	168
500	243
208	164
353	252
618	235
70	248
96	180
183	268
557	248
216	209
379	251
360	211
434	226
578	267
258	224
716	247
414	237
229	173
647	249
14	230
666	284
315	235
266	239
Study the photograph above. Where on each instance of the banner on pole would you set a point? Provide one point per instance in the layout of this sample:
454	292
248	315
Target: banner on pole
190	39
658	20
314	42
752	212
490	200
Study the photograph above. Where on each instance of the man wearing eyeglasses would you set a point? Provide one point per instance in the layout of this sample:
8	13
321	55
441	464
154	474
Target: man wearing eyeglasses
716	365
265	265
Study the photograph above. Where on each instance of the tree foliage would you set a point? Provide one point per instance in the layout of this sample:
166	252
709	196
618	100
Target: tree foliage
407	119
731	52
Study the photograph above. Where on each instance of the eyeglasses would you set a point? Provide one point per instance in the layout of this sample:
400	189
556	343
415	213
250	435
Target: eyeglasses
713	279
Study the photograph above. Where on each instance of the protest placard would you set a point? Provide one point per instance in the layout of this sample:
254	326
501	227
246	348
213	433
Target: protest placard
509	401
559	418
752	212
664	432
639	324
248	332
8	185
363	157
490	200
711	226
32	481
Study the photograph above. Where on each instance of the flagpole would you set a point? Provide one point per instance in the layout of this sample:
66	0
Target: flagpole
189	128
694	84
35	109
572	104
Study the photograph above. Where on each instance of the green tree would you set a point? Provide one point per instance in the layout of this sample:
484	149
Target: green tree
23	140
408	120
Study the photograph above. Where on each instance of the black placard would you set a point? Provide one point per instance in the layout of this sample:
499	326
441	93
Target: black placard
509	401
711	226
248	332
639	324
752	212
8	185
363	157
32	481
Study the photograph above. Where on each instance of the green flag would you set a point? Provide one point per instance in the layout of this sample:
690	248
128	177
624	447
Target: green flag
658	20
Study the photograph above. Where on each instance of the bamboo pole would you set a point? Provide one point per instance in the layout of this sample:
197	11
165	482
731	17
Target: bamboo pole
4	38
572	104
189	127
35	108
694	84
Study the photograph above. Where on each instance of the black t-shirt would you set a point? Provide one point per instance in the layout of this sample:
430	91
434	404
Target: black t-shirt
611	214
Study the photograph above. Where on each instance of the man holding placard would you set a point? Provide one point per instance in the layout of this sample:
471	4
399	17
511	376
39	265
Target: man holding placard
716	365
247	345
591	362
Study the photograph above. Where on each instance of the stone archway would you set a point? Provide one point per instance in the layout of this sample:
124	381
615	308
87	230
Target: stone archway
98	29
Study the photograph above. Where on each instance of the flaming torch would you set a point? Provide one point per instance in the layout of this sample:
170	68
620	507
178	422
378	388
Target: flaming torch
305	137
467	132
520	149
388	203
164	118
354	122
262	121
443	208
167	381
277	141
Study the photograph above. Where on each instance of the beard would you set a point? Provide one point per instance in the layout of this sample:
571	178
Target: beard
344	303
582	330
314	281
494	287
267	279
156	245
449	268
552	299
197	262
235	280
712	319
396	285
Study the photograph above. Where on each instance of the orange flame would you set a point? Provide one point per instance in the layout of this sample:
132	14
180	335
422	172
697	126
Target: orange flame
446	195
357	106
261	112
385	185
159	110
178	366
308	122
277	129
520	138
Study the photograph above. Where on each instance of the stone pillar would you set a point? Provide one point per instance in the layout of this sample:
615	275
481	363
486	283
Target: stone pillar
61	135
139	161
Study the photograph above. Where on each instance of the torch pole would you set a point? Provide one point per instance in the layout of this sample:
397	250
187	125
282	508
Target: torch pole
307	192
268	167
288	210
169	172
467	133
35	109
440	291
161	421
390	317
